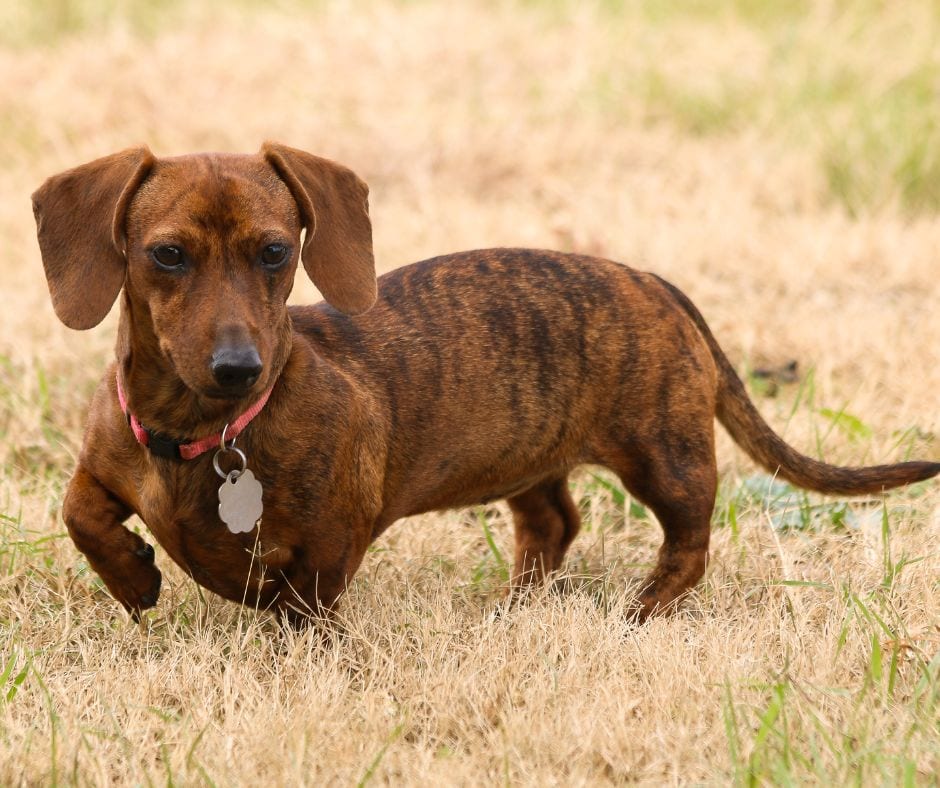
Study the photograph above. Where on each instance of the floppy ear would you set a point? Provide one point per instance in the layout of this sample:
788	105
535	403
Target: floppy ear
334	208
80	224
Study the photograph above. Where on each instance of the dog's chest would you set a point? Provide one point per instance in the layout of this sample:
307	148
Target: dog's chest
181	509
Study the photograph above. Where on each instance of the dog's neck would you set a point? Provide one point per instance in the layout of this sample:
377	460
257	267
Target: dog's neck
157	395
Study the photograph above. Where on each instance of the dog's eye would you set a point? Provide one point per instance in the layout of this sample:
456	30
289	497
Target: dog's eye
273	255
168	256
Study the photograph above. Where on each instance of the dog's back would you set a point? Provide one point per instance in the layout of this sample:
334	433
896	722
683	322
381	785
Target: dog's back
501	367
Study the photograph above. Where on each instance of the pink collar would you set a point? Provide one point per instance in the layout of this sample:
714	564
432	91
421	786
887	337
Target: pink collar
162	445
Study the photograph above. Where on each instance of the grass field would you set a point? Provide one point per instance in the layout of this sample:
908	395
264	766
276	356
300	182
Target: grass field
778	161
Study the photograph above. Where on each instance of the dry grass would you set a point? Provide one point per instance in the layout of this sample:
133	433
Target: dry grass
778	161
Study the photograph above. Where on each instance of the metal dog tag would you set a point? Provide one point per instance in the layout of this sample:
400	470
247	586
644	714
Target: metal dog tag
240	501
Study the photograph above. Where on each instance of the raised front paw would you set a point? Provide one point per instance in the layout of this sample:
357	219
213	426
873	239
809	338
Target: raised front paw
131	577
124	561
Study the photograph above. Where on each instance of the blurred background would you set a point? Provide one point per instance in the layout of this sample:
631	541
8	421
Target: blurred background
778	160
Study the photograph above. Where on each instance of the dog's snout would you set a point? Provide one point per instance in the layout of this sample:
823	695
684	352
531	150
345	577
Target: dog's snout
236	368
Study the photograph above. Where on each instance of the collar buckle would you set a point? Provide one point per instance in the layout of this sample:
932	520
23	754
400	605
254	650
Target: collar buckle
161	445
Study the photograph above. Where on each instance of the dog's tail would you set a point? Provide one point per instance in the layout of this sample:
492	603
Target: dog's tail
749	430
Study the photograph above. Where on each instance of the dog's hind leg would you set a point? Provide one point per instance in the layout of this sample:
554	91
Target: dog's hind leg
678	481
546	522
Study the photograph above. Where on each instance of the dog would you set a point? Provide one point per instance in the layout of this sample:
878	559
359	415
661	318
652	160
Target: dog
454	381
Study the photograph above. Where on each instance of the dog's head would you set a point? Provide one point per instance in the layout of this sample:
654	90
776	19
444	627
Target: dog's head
206	247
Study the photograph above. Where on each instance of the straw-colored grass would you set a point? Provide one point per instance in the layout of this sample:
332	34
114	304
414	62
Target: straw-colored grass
778	161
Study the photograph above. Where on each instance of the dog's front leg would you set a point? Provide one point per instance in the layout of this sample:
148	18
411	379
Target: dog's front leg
320	575
94	517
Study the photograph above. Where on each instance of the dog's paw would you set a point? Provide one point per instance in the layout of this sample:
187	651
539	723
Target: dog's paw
132	578
653	604
146	552
147	600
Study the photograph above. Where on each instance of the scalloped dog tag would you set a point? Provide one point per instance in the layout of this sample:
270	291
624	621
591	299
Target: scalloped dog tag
240	501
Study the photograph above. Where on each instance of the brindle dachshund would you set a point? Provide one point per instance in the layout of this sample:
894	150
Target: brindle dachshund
466	378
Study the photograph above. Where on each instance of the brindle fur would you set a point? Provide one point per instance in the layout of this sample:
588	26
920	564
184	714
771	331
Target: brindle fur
474	376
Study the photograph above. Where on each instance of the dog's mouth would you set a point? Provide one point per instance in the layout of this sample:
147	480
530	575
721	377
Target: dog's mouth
210	390
228	394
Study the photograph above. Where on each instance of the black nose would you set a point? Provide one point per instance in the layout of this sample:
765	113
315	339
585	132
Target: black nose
236	368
